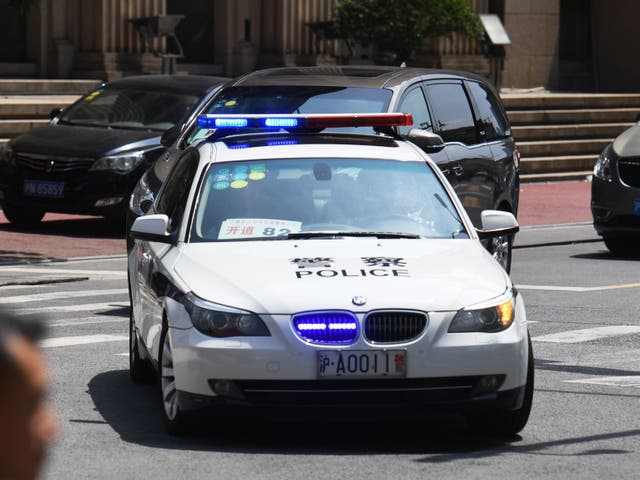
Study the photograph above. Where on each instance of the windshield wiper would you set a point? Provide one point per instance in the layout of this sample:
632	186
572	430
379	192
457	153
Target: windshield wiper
296	235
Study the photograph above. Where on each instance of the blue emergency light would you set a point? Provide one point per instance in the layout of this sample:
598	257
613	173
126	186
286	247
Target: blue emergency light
312	121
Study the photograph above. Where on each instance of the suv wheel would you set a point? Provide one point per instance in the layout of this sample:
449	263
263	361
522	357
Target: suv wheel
22	216
501	248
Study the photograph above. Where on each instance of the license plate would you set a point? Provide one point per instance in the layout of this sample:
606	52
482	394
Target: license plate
362	363
43	188
636	206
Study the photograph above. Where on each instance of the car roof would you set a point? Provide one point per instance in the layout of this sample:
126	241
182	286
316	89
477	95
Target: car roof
313	145
368	76
198	84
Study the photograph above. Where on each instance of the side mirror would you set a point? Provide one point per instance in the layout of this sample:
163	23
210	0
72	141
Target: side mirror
170	136
496	223
153	228
428	141
55	112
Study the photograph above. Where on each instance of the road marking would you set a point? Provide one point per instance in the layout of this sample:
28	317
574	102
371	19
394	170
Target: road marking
588	334
81	340
116	273
555	288
89	307
89	321
620	381
41	297
125	354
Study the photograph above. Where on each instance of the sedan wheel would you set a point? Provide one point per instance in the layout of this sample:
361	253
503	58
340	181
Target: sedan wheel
22	216
511	423
501	248
174	418
621	246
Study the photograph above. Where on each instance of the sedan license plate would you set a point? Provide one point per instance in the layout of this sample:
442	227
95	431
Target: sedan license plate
362	363
43	188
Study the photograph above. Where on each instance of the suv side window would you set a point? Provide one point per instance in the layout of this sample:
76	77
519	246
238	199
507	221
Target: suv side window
453	112
415	104
173	197
492	120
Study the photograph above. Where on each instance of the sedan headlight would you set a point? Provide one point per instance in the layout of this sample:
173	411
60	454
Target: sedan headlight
119	163
490	318
141	193
222	321
602	168
6	155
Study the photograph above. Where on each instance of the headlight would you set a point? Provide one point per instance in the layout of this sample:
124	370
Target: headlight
602	168
6	155
141	193
119	163
493	318
221	321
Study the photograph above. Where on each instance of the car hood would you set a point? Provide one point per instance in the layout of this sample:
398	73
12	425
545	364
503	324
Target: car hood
291	276
81	141
627	144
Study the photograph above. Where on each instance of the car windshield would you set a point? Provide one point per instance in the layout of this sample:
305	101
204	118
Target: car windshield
329	197
130	108
301	99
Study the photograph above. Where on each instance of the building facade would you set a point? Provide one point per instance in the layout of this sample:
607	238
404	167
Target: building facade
572	45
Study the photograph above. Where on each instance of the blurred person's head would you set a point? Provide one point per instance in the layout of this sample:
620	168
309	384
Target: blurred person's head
27	423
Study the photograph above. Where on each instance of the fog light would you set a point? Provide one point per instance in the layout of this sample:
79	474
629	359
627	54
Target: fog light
488	384
226	388
109	201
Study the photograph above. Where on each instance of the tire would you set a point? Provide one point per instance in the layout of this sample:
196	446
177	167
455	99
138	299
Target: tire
501	248
622	246
509	424
176	421
22	216
140	369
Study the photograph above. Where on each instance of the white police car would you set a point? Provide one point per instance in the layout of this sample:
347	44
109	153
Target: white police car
323	271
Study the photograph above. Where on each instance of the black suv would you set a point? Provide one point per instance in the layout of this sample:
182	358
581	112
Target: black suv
464	126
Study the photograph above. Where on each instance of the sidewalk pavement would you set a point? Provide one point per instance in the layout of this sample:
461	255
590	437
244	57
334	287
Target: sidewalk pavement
549	214
555	213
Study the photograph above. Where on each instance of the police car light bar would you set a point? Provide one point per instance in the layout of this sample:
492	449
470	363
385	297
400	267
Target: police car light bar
313	121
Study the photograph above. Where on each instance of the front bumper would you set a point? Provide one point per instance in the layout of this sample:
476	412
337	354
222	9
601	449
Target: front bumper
444	371
615	208
85	192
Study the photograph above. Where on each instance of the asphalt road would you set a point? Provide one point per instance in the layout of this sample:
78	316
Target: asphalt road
585	424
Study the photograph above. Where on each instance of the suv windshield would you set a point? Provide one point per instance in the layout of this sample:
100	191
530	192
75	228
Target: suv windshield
130	108
278	198
301	99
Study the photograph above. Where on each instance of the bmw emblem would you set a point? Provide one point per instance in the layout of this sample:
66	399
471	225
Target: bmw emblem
358	300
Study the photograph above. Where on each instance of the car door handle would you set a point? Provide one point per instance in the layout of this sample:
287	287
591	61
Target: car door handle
458	170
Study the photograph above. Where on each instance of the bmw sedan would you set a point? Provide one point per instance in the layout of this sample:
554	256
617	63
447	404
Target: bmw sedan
290	268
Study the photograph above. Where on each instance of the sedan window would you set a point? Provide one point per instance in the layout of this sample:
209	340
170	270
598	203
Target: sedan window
130	108
275	198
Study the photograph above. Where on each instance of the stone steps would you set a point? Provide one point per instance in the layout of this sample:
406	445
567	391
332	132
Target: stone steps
561	135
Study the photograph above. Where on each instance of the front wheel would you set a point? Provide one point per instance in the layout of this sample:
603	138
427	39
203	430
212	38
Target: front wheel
140	370
22	216
621	246
510	423
174	418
